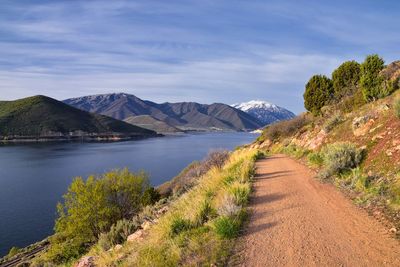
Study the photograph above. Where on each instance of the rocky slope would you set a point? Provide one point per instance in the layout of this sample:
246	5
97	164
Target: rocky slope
183	115
265	112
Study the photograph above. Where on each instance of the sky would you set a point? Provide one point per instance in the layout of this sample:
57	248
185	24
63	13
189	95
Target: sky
205	51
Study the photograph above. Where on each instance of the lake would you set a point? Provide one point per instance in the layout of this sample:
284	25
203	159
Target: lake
33	177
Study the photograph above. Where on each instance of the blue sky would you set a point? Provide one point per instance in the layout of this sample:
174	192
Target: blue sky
205	51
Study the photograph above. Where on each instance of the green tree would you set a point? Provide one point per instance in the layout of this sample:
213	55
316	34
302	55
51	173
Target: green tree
319	91
371	82
345	79
91	207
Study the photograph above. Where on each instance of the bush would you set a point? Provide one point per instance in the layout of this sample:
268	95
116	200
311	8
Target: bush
371	82
294	151
205	214
150	196
345	79
340	157
332	122
240	193
188	177
91	207
396	107
179	225
13	251
319	91
315	158
228	206
285	128
118	233
227	227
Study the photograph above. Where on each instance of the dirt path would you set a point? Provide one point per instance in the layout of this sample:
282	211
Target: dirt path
298	221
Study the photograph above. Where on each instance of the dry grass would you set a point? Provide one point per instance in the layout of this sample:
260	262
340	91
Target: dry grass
196	242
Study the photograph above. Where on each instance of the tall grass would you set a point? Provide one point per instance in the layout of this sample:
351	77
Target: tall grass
197	229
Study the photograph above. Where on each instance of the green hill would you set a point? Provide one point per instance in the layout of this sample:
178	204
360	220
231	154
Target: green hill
41	116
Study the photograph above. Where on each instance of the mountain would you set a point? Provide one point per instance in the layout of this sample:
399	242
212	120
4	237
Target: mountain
148	122
265	112
41	116
183	115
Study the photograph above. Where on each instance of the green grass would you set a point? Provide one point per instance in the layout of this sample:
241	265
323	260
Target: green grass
198	228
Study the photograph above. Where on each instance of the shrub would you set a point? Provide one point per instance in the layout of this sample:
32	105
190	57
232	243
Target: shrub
315	158
294	151
396	106
188	177
339	157
91	207
13	251
179	225
228	206
285	128
371	82
227	227
118	233
150	196
332	122
345	79
319	91
205	214
240	193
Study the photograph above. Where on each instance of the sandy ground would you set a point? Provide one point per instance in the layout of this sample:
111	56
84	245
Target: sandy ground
298	221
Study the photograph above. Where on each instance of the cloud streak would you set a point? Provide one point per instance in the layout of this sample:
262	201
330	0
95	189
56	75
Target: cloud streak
206	51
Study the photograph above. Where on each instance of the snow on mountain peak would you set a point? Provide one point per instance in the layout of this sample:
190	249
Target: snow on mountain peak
254	104
264	111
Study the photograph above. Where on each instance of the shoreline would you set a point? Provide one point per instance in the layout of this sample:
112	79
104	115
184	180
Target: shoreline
98	138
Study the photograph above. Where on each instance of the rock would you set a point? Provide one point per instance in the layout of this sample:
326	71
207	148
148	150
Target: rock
146	225
117	247
87	261
362	125
359	121
318	140
138	235
383	107
379	136
393	230
162	210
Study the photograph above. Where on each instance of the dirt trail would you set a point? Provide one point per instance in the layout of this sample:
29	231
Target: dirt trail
298	221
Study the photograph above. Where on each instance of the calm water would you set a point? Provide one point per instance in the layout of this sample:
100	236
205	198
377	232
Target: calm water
33	177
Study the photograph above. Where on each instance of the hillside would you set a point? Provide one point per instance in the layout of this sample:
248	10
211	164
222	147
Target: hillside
265	112
148	122
353	139
184	115
41	116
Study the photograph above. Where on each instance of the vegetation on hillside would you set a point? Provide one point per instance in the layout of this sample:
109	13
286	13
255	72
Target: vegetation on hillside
206	208
44	116
353	138
198	228
91	207
352	85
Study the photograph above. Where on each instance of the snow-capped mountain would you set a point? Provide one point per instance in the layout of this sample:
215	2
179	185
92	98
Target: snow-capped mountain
264	111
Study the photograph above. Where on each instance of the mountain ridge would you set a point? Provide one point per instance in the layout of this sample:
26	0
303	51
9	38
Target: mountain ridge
182	115
41	116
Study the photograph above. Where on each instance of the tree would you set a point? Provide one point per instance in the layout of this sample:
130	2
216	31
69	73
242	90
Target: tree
91	207
319	90
346	79
371	82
